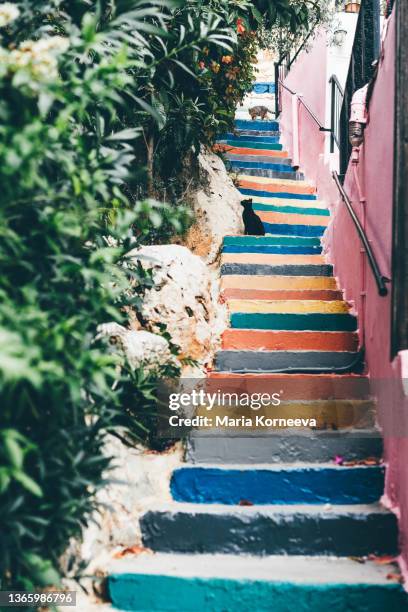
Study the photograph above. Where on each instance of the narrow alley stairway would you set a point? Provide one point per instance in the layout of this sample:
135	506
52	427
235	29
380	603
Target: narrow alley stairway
287	521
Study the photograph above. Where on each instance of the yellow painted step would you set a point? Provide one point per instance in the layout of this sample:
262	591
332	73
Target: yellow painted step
288	306
329	414
271	259
274	181
261	282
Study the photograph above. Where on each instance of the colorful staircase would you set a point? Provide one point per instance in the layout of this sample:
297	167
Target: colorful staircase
269	521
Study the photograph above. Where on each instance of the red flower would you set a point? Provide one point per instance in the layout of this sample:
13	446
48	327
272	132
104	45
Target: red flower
201	65
240	26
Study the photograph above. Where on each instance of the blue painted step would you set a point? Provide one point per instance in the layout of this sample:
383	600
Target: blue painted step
248	124
294	230
278	270
280	485
278	194
274	250
222	583
305	321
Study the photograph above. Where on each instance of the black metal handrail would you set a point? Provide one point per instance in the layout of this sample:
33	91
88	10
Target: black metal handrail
379	278
336	101
307	107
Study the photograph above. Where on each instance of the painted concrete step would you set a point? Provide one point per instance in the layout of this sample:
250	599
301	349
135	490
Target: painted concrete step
303	208
293	221
253	144
211	583
288	306
234	280
294	230
295	321
277	185
263	165
277	270
239	137
287	361
249	124
286	161
267	172
255	193
271	530
272	258
276	201
280	484
263	340
255	132
302	294
270	240
238	150
326	388
309	446
277	249
288	417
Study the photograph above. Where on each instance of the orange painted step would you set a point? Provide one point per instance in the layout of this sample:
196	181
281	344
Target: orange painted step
294	386
243	151
250	339
306	294
277	187
293	219
271	259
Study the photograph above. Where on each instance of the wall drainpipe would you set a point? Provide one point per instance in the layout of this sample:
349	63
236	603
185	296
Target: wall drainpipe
355	160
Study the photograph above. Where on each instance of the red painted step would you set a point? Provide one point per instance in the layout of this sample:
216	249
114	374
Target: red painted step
260	294
258	340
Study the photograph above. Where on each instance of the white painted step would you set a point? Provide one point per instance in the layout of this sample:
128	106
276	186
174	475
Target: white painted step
275	568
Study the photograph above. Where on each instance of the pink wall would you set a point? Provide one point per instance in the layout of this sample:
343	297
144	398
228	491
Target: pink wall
343	247
307	77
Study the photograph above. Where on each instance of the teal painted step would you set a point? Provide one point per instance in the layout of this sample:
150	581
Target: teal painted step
299	210
278	270
271	240
309	484
223	583
240	137
261	126
271	530
253	144
303	321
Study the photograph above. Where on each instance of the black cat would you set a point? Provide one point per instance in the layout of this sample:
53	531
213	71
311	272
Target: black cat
253	224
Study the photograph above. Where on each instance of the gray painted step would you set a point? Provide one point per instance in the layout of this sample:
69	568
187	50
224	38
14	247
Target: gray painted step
287	161
278	270
293	361
215	583
271	530
294	176
310	446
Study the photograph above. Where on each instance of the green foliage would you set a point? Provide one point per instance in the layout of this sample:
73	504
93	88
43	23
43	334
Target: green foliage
90	92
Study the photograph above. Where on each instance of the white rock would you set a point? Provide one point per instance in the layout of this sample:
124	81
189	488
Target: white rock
141	348
181	299
217	208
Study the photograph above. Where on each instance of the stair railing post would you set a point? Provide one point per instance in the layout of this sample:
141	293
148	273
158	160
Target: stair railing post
295	130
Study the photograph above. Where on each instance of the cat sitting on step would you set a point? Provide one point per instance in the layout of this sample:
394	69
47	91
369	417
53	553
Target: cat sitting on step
253	224
258	111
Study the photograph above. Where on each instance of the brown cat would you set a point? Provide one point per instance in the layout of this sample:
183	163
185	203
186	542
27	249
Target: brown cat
258	111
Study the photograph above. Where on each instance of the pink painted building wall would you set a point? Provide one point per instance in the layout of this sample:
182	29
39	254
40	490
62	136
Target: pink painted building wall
343	247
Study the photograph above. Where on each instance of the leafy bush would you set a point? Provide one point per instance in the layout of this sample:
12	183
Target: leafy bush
86	90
